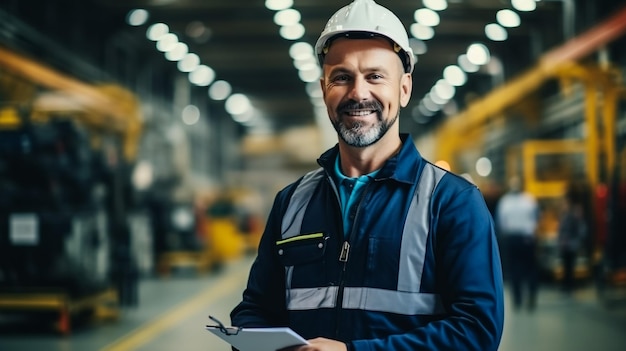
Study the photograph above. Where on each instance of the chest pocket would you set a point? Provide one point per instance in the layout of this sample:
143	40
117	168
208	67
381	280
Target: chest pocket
301	249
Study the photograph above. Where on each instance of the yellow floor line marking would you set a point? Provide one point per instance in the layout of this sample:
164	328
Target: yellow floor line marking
148	331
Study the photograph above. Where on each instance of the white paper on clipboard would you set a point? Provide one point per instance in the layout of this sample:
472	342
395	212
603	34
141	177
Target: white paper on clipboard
258	339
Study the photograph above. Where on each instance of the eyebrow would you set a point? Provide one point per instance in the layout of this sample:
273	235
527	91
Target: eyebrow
339	70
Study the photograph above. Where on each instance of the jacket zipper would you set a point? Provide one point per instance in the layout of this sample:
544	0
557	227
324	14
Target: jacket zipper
343	257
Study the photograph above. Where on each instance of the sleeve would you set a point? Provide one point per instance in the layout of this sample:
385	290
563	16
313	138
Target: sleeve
263	302
468	280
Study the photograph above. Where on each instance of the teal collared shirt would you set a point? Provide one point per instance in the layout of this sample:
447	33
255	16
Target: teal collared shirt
350	190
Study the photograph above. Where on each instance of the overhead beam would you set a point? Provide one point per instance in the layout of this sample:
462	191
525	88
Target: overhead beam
549	63
111	108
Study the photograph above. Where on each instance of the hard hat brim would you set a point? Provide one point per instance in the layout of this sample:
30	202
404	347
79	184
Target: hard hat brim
325	41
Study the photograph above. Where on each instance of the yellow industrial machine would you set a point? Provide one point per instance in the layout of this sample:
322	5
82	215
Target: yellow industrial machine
549	168
230	228
226	228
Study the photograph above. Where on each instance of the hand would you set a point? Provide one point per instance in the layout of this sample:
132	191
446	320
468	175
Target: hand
320	344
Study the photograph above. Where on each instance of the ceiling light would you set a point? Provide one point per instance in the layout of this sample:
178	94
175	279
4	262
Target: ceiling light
429	104
167	42
508	18
426	17
310	75
466	65
303	63
524	5
177	53
483	166
454	75
421	31
496	32
444	89
220	90
419	46
437	5
246	118
432	95
190	115
156	31
137	17
292	32
314	90
301	50
277	5
189	63
478	54
237	104
287	17
202	76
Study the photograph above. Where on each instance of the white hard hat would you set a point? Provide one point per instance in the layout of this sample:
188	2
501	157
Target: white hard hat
365	18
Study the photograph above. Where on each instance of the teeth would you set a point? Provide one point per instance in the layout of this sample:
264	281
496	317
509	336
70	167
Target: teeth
359	113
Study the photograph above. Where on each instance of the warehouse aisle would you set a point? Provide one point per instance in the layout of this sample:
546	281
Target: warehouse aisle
574	323
174	310
171	316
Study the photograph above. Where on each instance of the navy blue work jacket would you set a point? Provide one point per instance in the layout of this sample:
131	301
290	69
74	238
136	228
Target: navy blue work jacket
420	269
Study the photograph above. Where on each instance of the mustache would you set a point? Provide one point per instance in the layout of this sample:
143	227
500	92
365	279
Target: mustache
355	105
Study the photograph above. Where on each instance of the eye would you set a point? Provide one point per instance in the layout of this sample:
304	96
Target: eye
375	76
341	78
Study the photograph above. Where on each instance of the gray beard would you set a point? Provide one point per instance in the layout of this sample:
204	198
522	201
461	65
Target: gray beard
358	135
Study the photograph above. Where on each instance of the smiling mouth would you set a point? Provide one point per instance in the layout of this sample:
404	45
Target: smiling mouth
359	113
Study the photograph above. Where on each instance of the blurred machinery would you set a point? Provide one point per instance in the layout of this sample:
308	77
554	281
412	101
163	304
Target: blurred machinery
559	125
82	216
221	226
611	241
65	151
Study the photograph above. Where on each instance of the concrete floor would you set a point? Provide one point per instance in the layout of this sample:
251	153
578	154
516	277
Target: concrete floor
173	312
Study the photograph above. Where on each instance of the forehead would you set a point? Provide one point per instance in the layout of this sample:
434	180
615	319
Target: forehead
343	49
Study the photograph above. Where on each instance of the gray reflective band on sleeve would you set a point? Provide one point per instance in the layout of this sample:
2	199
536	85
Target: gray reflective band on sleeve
292	221
415	232
367	299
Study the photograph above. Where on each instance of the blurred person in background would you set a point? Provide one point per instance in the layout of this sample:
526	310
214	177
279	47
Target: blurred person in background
378	249
517	217
571	235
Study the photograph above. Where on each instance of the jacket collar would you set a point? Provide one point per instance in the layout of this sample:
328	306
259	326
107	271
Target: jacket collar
401	167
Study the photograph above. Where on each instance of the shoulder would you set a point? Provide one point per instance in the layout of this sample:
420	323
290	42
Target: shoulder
454	190
450	182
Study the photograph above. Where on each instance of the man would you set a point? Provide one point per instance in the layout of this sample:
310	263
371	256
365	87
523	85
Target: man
378	249
572	233
517	216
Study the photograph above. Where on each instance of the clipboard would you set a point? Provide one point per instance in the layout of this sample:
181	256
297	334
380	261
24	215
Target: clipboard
256	339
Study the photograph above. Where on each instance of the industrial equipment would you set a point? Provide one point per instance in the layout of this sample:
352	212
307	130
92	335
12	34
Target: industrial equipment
65	147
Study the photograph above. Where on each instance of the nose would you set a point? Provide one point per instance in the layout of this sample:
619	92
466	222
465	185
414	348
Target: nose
359	90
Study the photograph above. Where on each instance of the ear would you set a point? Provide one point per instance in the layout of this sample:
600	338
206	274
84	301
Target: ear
406	87
322	86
